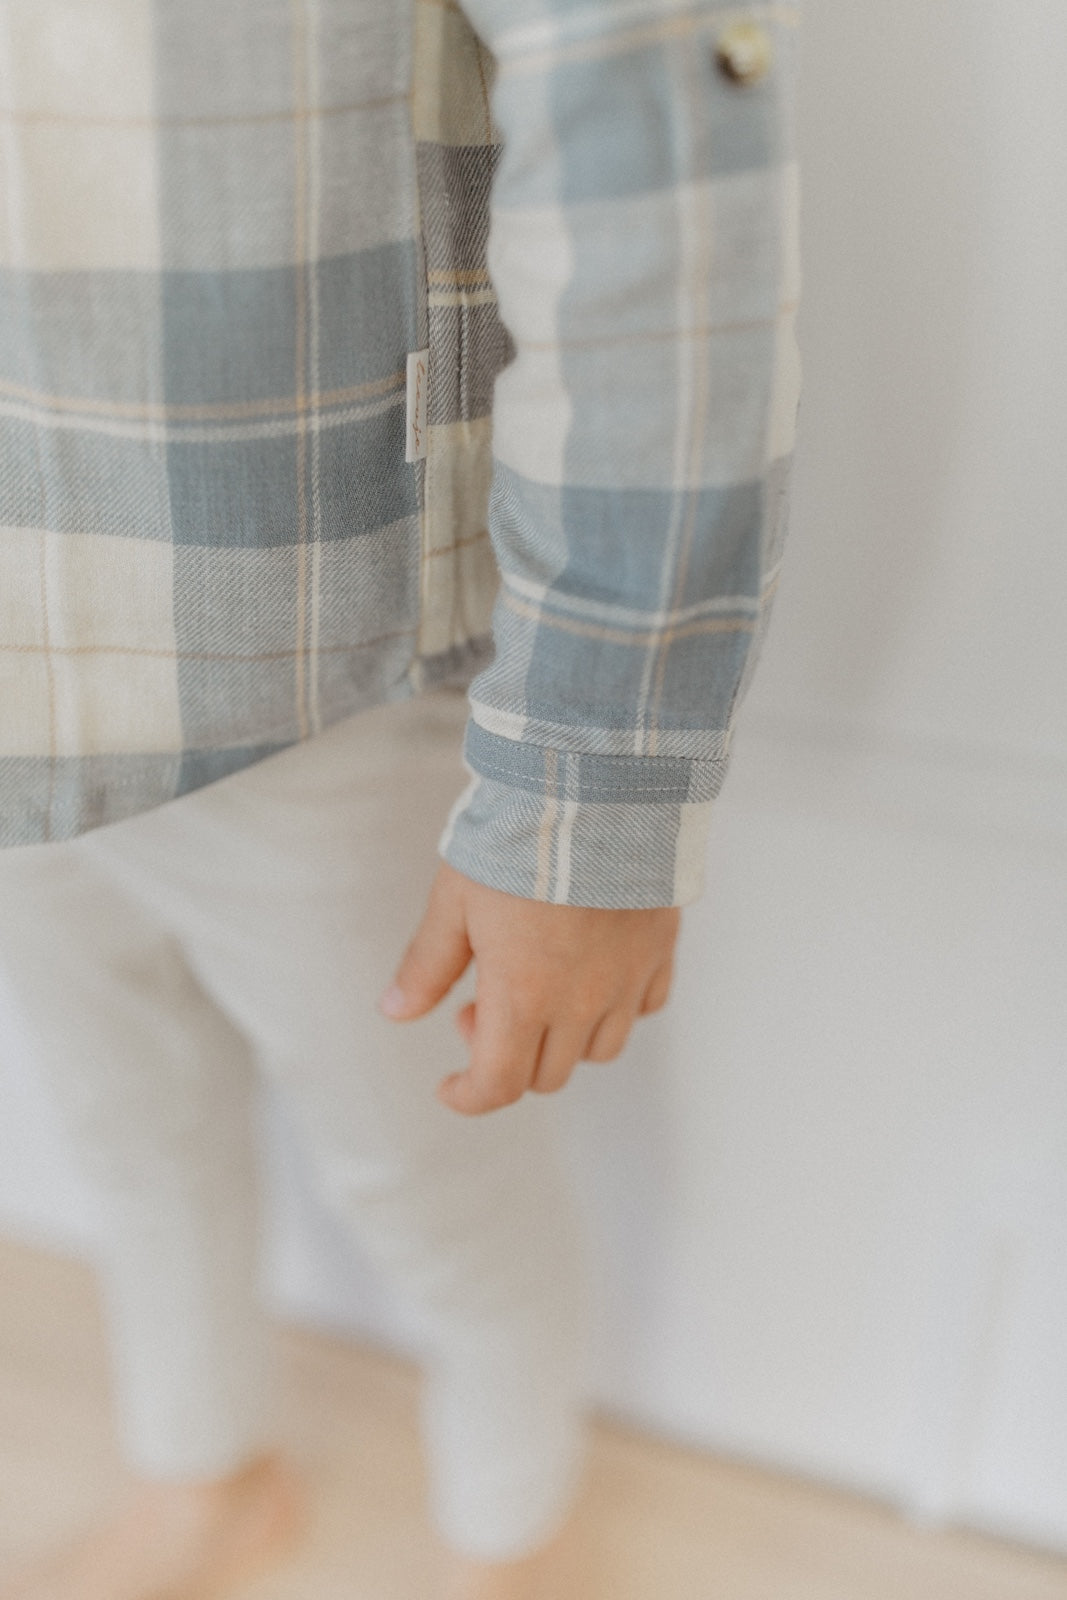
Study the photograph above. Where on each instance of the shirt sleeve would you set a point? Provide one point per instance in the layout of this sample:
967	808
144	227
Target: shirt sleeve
643	249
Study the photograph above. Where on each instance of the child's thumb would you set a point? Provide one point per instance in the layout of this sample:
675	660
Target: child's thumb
437	956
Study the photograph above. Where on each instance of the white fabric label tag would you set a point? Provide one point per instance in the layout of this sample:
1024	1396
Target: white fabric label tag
418	368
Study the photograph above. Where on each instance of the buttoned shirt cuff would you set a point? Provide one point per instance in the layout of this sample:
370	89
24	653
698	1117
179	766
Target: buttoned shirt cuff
575	828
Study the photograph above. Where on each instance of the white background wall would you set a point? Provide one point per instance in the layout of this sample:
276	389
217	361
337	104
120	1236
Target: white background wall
830	1186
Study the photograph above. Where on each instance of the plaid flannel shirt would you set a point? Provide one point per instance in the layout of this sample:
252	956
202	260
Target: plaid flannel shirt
224	226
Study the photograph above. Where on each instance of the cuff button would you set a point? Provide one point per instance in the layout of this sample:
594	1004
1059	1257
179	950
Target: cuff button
743	52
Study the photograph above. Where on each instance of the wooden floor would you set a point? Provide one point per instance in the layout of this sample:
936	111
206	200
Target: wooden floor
655	1523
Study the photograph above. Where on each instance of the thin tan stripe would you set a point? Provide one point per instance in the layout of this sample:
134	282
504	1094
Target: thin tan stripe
45	649
298	46
221	411
701	279
249	119
42	578
698	331
427	45
644	636
314	133
191	655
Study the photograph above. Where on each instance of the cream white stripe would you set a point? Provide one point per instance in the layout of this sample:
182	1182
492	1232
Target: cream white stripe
596	741
689	256
180	433
563	852
508	724
690	850
604	611
15	165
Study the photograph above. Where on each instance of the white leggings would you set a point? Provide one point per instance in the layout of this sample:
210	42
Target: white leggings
159	963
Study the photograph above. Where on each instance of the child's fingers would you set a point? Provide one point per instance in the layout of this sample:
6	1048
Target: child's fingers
560	1054
465	1021
658	991
504	1051
437	956
609	1036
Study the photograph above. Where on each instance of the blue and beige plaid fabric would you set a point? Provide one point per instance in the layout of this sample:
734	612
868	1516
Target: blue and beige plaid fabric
224	224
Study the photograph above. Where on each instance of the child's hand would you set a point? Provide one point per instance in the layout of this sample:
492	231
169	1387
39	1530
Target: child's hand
555	984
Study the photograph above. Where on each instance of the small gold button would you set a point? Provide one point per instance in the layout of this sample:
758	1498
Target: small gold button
743	51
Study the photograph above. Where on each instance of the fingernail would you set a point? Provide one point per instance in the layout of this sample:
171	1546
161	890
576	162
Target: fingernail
394	1002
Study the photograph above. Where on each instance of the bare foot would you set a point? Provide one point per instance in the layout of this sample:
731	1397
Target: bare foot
183	1541
476	1580
529	1579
